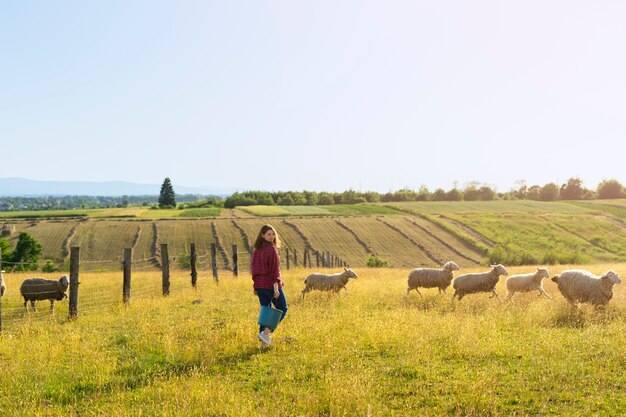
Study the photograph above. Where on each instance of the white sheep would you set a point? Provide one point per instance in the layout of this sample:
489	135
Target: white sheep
432	277
33	289
527	282
328	282
3	286
479	282
582	286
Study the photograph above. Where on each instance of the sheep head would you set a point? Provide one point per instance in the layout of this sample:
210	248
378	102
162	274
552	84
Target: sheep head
611	277
500	270
347	272
63	283
451	266
542	273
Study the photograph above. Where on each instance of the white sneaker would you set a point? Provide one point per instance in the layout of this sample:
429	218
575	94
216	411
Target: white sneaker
265	338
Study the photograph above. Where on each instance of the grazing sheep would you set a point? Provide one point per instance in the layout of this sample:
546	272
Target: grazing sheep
582	286
432	277
33	289
481	282
527	282
3	286
328	282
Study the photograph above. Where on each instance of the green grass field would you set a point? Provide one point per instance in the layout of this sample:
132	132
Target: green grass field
375	351
336	210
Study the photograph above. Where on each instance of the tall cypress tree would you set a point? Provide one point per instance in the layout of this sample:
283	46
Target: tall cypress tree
167	198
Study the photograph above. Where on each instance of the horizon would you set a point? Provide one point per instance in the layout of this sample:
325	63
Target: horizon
203	191
276	95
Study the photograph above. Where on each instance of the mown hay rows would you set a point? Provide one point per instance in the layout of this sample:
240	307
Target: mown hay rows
67	245
247	244
220	247
54	233
442	242
467	229
388	244
327	235
307	242
360	241
428	253
156	246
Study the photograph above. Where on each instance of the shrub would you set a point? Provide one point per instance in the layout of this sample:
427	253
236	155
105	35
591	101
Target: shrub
375	262
50	266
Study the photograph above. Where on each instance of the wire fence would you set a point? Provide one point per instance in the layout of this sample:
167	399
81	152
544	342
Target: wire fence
43	299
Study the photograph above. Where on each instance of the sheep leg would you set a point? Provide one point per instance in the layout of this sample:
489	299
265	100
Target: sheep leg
418	291
26	304
541	291
496	295
32	304
51	306
509	295
442	291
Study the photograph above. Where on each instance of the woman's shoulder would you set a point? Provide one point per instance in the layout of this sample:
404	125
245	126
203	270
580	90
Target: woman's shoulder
267	248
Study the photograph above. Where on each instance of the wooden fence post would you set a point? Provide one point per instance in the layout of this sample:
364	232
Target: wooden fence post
214	261
323	260
306	253
295	258
287	256
128	258
194	271
165	270
328	265
235	261
74	270
317	259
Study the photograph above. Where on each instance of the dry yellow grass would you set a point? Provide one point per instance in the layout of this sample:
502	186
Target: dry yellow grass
375	351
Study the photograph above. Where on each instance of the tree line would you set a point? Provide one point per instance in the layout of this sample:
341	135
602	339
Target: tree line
573	189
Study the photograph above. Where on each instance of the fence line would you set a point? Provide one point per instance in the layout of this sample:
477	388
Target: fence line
96	300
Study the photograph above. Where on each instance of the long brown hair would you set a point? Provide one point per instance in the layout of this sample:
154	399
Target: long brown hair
260	241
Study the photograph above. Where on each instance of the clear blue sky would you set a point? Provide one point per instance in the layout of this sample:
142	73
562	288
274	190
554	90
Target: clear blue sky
318	95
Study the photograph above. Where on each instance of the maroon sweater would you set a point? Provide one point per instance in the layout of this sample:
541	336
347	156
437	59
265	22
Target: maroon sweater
266	267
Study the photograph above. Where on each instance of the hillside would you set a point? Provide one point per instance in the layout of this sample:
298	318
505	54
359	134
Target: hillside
403	234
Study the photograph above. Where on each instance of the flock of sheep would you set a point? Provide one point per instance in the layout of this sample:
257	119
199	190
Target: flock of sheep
575	285
34	289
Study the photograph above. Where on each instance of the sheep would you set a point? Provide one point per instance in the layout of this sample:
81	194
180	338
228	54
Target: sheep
432	277
577	285
480	282
33	289
527	282
3	286
328	282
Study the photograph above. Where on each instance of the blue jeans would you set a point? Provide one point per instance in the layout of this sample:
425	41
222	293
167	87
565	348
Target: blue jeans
266	295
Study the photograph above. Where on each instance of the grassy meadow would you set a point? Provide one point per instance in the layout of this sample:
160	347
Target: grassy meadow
372	352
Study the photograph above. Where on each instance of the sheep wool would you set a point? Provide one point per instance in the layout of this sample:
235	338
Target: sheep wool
34	289
582	286
328	282
480	282
527	282
432	277
3	286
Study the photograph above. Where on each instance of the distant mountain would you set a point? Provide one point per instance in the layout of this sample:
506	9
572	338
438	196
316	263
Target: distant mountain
21	187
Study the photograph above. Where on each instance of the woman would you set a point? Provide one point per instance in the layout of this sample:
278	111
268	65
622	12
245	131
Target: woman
266	275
